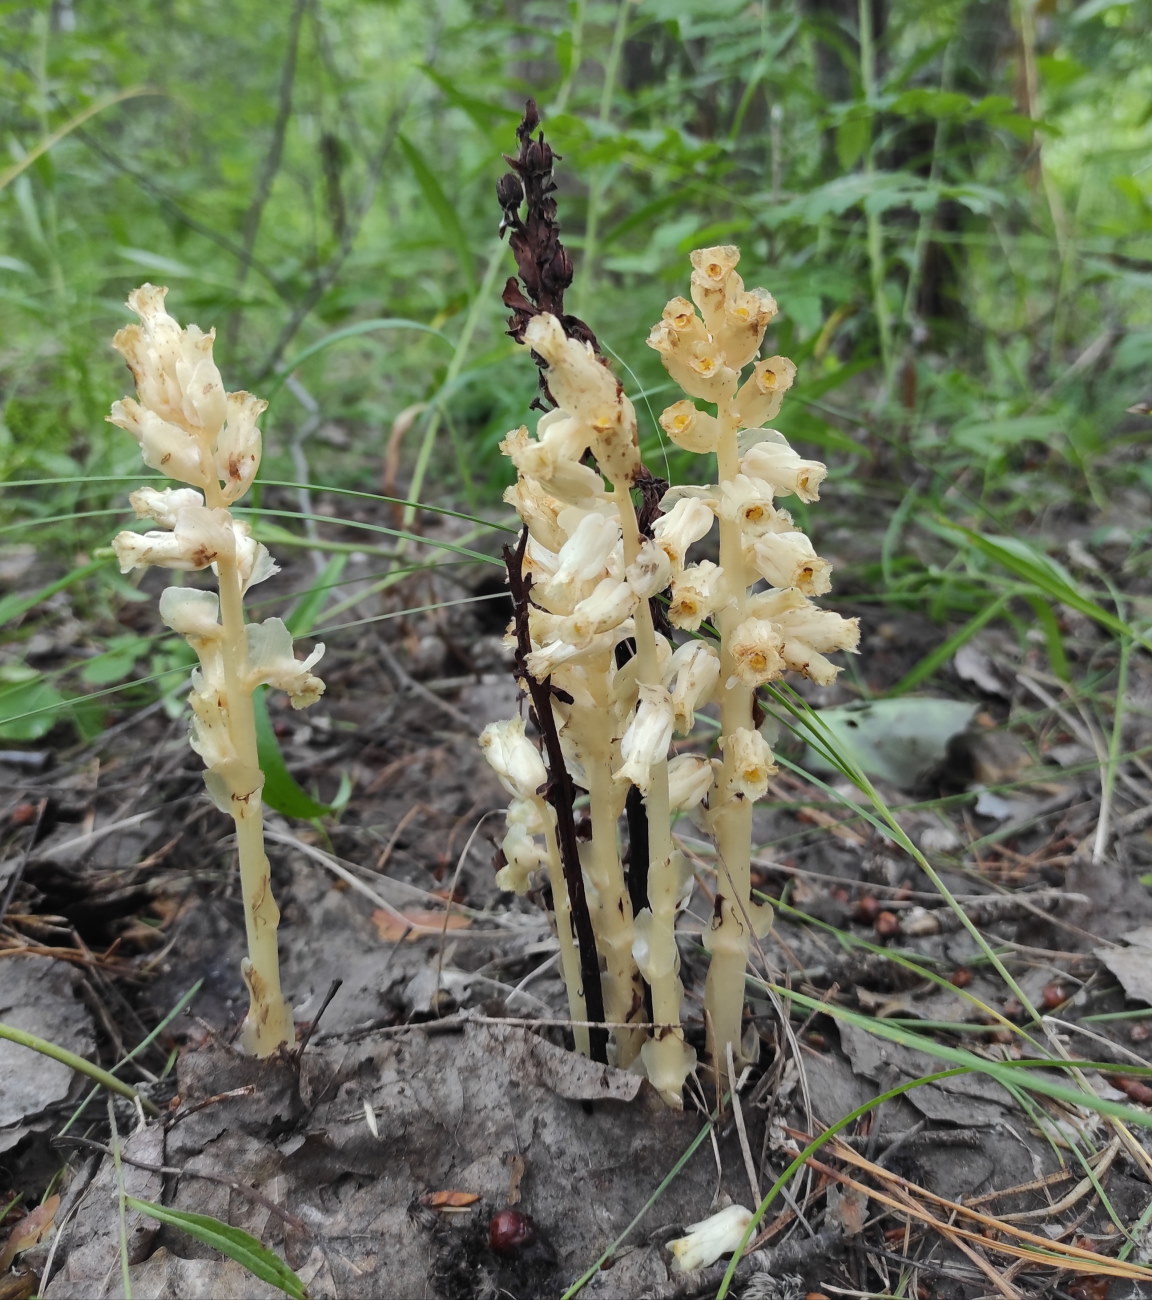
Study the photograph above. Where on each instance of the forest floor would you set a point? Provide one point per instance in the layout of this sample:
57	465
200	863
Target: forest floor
436	1087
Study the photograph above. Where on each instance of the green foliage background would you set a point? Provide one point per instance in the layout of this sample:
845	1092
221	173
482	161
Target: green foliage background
951	203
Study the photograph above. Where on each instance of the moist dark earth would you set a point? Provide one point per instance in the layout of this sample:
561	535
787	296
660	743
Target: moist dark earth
435	1088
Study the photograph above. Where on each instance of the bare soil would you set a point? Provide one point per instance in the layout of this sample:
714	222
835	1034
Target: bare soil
437	1087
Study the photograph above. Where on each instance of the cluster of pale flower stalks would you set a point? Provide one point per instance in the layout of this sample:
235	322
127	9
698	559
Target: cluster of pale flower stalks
191	430
594	575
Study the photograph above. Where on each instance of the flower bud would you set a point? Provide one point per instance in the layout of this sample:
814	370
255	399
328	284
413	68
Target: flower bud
191	612
695	668
689	781
513	757
587	552
646	740
720	1234
164	504
576	379
650	572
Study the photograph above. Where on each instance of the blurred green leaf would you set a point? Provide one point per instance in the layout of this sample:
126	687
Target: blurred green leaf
235	1243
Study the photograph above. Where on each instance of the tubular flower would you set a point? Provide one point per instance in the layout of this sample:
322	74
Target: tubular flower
513	757
690	428
789	560
695	669
752	761
646	741
696	595
707	1240
785	473
757	652
761	396
686	522
748	502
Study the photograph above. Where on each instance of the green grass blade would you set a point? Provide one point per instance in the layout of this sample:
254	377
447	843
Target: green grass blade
37	1044
444	209
233	1242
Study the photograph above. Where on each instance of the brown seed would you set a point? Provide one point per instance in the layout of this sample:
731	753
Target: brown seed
961	977
866	909
1053	995
509	1231
886	924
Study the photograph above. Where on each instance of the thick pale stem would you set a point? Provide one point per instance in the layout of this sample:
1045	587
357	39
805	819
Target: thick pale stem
569	955
730	937
591	729
268	1024
667	1058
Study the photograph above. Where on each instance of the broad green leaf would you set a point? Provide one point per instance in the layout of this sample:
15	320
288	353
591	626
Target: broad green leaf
29	707
852	137
892	740
115	663
281	789
233	1242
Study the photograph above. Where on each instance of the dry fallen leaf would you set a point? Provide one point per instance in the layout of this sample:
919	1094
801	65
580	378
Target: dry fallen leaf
392	929
1132	966
29	1231
449	1200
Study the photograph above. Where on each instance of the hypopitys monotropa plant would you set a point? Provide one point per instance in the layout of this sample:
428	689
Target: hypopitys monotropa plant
190	429
618	689
758	597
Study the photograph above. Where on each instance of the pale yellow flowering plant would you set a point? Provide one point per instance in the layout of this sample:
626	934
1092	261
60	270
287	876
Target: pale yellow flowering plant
617	688
193	431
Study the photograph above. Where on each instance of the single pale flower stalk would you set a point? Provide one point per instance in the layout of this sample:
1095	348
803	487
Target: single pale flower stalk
189	428
705	345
